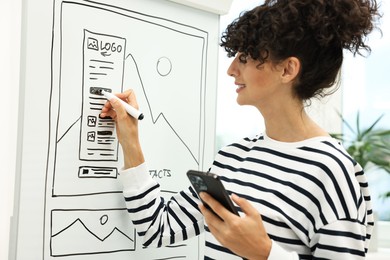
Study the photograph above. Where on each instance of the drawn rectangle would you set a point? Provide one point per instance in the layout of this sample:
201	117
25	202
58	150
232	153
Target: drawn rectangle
100	172
83	232
103	63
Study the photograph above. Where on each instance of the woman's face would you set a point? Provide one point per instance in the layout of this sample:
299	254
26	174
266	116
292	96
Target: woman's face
257	84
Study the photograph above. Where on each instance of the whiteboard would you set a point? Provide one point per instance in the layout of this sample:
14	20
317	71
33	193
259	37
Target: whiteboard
68	200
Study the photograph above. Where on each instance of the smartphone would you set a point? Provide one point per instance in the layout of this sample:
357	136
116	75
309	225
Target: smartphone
211	183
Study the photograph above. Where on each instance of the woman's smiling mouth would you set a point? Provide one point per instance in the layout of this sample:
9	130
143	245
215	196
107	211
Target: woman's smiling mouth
239	87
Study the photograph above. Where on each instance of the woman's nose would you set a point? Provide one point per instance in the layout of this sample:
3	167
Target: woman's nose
232	70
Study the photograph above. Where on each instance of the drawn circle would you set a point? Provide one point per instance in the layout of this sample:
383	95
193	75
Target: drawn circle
103	219
164	66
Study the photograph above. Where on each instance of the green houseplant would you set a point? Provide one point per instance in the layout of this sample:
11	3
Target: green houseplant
368	146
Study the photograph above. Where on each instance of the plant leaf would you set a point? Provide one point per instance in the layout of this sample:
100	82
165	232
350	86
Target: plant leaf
368	130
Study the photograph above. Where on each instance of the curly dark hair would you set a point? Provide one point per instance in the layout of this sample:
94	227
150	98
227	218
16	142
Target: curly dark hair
314	31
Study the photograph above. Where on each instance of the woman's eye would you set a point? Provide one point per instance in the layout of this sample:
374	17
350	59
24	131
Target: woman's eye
243	58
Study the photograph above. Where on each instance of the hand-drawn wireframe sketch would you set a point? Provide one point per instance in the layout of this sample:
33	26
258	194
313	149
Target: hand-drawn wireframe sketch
99	229
103	64
167	68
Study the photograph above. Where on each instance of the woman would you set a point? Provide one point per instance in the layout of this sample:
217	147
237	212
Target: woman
301	196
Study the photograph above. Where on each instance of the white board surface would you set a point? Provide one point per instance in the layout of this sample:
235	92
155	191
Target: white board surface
215	6
69	202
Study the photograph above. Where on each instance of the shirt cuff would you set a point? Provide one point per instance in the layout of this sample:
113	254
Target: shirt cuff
135	178
277	253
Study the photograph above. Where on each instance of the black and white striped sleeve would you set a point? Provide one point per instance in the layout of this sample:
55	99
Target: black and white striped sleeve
341	239
159	222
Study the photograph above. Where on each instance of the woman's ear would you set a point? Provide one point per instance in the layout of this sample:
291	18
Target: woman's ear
291	69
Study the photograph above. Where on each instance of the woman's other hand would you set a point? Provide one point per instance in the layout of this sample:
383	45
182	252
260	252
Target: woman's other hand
245	236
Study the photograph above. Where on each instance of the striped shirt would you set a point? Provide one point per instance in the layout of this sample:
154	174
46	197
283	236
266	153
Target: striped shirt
312	196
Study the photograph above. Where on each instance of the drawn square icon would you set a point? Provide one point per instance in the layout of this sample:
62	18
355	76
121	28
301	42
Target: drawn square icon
93	44
92	121
91	136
